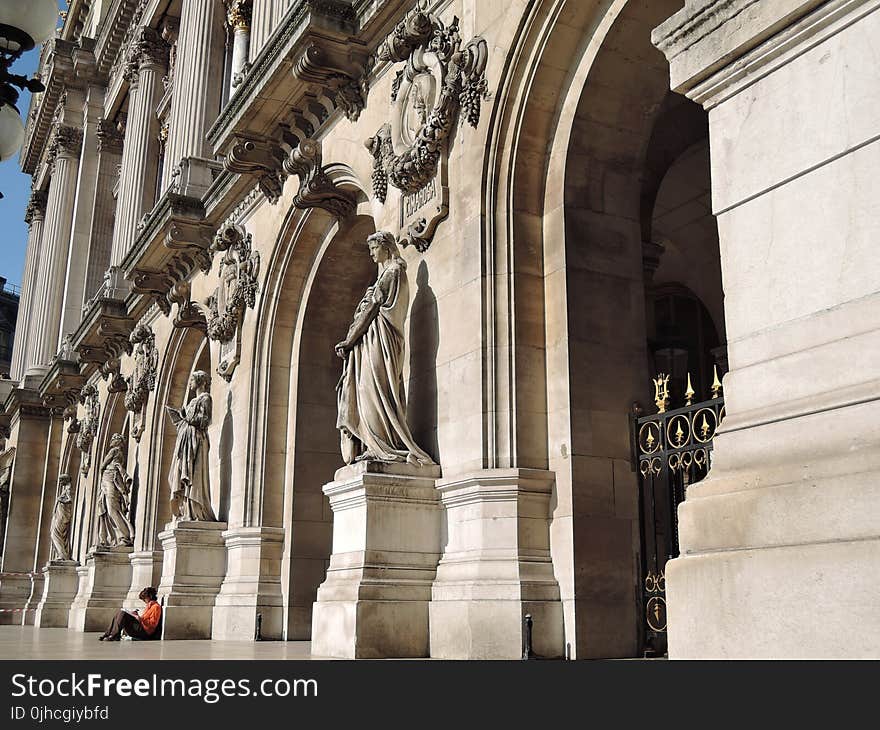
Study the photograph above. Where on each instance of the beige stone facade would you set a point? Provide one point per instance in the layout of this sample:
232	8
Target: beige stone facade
585	194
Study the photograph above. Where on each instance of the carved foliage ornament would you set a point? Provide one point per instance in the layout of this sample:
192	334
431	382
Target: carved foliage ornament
442	84
237	292
142	381
88	425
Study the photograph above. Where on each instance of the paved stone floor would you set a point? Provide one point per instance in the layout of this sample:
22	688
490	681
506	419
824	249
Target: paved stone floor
26	642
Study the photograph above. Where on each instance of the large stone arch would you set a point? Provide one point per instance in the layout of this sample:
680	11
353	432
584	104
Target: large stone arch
304	299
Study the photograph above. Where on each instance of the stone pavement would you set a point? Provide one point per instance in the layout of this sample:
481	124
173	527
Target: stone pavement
26	642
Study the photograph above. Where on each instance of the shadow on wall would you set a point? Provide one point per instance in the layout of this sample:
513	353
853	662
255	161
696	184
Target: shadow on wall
226	442
424	342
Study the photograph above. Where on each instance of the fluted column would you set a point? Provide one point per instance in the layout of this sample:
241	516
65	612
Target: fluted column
148	56
198	85
64	154
267	14
35	215
101	235
239	19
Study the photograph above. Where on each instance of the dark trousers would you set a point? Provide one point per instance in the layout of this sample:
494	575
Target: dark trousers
125	621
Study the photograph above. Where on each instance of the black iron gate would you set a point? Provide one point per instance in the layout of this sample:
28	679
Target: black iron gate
672	449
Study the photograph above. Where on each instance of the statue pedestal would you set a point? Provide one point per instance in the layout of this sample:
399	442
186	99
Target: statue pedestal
60	586
15	589
146	568
496	568
103	583
252	585
29	615
193	568
386	543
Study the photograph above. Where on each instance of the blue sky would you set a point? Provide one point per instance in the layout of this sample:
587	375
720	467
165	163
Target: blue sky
16	189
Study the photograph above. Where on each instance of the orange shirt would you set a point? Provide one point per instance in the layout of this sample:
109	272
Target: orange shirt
150	617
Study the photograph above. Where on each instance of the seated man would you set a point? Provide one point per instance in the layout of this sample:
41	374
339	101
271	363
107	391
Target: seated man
137	626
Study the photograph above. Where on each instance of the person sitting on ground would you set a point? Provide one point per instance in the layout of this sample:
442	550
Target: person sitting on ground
137	626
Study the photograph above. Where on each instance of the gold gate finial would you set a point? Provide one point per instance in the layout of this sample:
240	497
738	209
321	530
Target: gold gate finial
689	393
716	383
661	392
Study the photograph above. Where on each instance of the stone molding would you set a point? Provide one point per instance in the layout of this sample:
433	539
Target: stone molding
36	207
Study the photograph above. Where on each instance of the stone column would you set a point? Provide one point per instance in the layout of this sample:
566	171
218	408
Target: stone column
140	156
780	545
64	155
83	209
29	431
109	142
35	215
239	19
199	64
267	15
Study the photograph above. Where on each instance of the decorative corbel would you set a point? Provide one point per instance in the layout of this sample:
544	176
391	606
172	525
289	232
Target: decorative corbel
189	314
262	159
316	189
155	283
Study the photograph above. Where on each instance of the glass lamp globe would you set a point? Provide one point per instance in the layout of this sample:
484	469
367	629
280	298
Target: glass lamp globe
37	18
11	132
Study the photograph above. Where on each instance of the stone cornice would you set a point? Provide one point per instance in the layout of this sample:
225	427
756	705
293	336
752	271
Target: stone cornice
708	37
61	385
24	402
57	75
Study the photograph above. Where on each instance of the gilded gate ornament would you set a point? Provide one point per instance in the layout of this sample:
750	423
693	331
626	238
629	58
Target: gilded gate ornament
237	292
142	381
442	84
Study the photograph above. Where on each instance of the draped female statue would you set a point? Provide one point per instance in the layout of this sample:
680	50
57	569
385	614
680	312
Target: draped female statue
61	518
370	396
188	478
114	529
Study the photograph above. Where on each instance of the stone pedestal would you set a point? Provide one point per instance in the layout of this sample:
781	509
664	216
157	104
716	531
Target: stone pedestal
496	568
103	584
146	570
386	543
28	616
252	585
15	589
193	568
60	585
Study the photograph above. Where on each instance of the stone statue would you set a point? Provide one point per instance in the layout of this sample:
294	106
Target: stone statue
114	529
188	479
142	381
61	518
370	396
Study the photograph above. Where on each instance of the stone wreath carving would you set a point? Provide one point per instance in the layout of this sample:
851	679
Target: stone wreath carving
442	84
88	425
237	292
142	381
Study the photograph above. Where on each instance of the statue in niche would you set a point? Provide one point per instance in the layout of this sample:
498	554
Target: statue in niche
61	519
114	529
188	478
370	397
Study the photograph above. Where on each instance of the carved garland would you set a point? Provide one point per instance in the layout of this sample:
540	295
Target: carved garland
142	381
88	425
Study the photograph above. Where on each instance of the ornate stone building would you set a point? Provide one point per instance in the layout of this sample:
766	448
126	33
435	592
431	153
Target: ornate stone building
582	196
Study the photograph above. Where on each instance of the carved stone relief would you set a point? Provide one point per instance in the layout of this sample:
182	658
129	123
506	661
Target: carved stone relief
62	516
142	381
441	84
237	292
88	425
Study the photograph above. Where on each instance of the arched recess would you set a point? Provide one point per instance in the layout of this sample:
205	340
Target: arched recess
318	271
582	134
187	351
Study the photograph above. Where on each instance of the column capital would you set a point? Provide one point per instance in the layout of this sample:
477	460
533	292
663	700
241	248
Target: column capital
109	136
66	142
36	207
238	14
147	49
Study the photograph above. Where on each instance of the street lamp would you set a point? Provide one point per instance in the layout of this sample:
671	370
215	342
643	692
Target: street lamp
23	25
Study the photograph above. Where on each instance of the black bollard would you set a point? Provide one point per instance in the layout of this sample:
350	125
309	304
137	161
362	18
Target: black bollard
527	637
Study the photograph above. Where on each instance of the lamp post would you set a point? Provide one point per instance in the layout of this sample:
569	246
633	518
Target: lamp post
23	25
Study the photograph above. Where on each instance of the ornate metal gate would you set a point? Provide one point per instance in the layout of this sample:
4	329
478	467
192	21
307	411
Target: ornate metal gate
673	449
